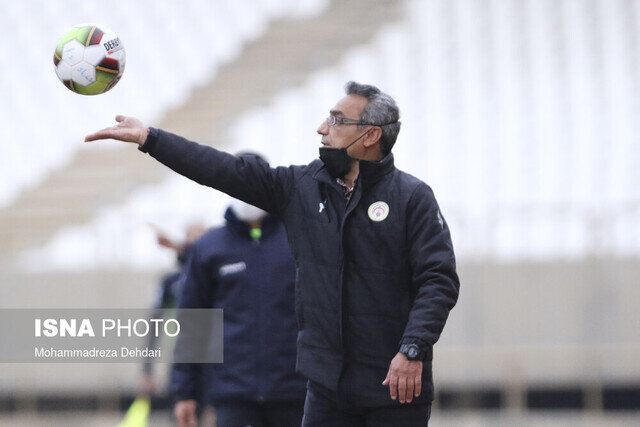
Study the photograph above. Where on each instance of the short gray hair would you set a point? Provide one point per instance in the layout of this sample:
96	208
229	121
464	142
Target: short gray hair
381	110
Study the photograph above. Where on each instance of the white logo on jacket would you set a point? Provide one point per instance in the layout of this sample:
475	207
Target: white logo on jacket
232	268
378	211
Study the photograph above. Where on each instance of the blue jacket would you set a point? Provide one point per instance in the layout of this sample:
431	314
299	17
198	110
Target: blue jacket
370	275
253	282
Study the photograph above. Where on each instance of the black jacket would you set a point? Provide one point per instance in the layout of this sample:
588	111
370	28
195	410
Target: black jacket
253	282
362	286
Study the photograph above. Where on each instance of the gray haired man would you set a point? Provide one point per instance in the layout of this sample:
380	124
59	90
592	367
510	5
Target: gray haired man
376	275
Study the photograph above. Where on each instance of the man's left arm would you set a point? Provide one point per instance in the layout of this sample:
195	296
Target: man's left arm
436	286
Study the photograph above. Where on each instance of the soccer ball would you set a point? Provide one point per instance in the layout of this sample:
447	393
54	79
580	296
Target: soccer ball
89	59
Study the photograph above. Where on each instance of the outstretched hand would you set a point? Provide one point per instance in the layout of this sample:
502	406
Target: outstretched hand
128	129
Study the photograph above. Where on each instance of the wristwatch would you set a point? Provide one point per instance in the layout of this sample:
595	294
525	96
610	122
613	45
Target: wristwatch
412	351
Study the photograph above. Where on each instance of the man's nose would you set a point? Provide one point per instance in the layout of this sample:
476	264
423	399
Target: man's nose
323	129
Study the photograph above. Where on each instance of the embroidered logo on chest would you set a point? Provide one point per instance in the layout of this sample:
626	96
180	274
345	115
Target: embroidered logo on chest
378	211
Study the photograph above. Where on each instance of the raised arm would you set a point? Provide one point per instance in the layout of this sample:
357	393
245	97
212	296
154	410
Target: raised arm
246	177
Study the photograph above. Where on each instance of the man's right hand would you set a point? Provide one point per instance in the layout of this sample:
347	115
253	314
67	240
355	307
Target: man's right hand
128	129
185	413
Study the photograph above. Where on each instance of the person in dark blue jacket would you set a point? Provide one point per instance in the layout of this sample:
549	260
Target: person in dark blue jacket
245	268
376	273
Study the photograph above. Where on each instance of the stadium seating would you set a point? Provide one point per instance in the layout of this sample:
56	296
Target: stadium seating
50	121
523	164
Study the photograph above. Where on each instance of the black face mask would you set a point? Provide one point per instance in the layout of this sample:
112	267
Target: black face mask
336	160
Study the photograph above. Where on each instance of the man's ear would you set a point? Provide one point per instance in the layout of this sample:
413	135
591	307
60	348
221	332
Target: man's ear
372	136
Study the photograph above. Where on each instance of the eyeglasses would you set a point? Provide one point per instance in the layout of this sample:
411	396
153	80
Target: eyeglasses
337	121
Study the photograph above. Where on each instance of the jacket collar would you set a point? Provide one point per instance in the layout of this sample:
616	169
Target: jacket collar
269	224
370	172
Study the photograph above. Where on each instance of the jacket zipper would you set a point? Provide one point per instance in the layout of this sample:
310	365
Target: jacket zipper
350	206
261	356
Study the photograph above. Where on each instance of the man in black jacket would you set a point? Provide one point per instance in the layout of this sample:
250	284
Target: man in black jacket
375	265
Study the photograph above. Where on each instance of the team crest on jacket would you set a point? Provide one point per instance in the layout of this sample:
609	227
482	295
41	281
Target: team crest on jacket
378	211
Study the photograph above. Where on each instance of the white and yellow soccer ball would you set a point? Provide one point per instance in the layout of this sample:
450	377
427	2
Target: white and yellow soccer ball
89	59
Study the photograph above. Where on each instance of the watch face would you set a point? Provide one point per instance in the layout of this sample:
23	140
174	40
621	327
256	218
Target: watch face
412	352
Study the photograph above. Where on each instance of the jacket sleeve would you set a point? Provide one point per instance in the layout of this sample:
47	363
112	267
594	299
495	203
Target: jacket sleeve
434	279
245	177
197	290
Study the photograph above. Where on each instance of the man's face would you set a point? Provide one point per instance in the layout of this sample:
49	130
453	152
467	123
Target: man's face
339	136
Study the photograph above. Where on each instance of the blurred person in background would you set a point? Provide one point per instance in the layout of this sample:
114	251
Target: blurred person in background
168	290
244	267
376	272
